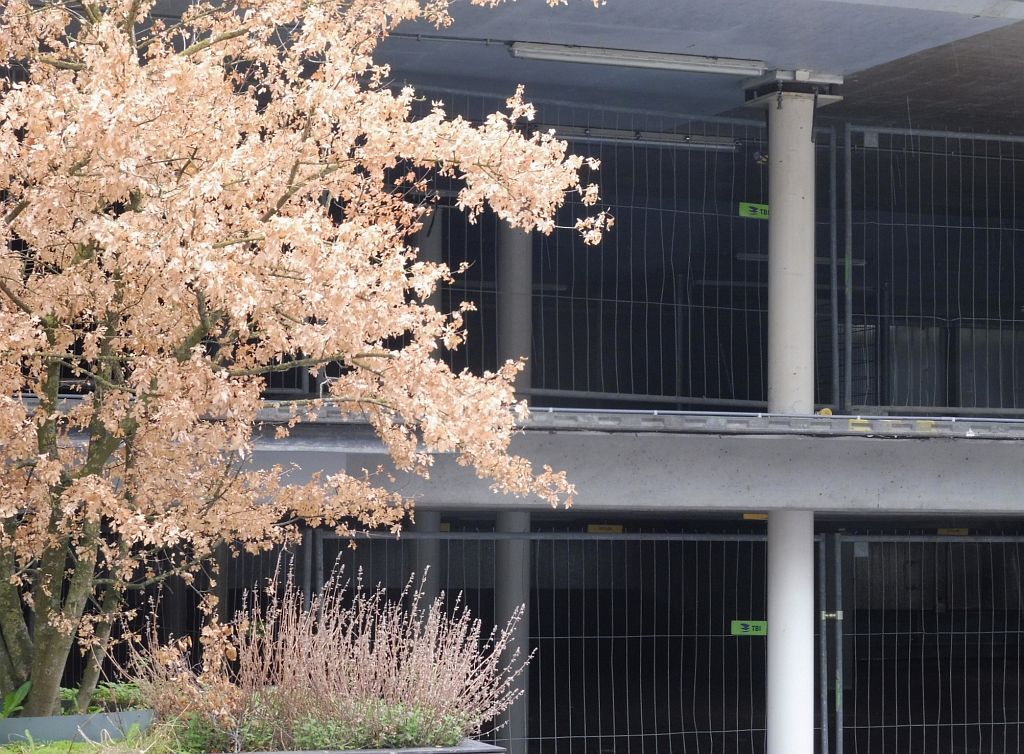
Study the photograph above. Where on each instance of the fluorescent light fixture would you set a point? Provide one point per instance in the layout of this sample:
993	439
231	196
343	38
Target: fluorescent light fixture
666	61
622	137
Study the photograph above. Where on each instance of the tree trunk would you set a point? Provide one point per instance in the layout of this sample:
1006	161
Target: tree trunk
15	638
51	656
8	682
58	624
98	653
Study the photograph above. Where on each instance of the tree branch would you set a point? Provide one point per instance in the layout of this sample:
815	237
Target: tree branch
16	210
98	651
234	241
203	44
293	189
200	331
67	65
16	299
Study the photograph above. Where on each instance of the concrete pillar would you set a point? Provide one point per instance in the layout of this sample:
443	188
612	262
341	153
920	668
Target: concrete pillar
512	556
790	700
791	254
428	555
306	566
429	239
790	693
515	299
512	590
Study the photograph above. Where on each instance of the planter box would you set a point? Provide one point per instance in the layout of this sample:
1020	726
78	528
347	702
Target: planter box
467	746
97	726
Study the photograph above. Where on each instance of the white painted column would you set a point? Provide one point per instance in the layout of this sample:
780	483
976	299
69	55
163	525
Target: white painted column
428	555
790	700
790	693
512	556
791	254
512	590
515	299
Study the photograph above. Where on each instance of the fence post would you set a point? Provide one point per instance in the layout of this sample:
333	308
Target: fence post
848	265
823	644
833	272
838	652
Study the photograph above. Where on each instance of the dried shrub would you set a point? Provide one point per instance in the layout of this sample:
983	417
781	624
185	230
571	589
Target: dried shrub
353	669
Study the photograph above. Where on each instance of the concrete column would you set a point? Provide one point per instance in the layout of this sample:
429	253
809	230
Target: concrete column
428	555
512	590
515	299
791	254
429	239
306	566
790	700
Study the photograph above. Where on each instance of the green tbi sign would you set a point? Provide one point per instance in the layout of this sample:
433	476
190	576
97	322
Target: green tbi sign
753	211
749	628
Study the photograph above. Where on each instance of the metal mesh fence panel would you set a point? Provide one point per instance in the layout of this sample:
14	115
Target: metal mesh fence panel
931	645
634	638
934	309
635	651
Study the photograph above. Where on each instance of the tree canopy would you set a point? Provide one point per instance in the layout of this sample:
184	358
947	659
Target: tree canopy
186	205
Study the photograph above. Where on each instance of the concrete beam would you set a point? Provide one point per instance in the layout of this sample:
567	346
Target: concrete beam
680	472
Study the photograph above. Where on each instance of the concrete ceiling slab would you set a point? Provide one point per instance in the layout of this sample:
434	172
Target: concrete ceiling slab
919	63
967	85
832	36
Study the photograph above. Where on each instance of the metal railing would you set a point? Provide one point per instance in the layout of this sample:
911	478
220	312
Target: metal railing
919	313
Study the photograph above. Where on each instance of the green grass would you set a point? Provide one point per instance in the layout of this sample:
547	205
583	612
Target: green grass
57	747
155	741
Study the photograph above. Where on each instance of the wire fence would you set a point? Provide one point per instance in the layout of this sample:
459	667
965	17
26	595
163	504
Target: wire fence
636	646
671	309
634	638
920	313
934	308
931	637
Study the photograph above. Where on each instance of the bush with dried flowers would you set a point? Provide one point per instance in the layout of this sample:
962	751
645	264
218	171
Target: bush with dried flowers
351	669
